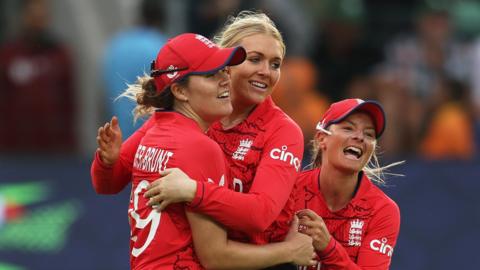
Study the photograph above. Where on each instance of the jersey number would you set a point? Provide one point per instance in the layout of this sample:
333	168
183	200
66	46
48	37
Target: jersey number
153	218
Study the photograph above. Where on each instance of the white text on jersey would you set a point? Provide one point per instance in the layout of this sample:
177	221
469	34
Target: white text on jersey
288	157
151	159
381	246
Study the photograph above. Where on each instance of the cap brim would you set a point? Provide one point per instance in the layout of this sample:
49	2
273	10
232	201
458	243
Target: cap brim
374	109
220	59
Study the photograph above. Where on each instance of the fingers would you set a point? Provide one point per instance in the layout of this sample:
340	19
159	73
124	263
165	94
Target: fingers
308	213
167	171
152	190
114	122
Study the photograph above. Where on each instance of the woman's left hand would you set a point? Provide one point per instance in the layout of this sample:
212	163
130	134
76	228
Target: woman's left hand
314	226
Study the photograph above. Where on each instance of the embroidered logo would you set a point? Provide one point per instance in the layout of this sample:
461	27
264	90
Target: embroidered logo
355	233
242	149
174	74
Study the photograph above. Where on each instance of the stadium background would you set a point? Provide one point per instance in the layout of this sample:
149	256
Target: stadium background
50	217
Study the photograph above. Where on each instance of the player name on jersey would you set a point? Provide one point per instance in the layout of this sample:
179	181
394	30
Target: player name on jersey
151	159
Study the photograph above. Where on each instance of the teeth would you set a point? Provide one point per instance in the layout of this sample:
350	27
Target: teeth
357	151
224	94
259	84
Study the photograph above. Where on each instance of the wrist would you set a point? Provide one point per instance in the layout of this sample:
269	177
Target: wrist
192	190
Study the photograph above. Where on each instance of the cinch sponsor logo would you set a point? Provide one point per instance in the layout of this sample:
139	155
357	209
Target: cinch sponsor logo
283	155
382	246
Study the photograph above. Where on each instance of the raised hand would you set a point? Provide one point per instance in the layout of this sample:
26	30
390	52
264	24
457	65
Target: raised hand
314	226
109	141
302	250
173	186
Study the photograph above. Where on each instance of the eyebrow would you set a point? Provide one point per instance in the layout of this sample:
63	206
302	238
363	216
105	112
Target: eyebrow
368	127
263	55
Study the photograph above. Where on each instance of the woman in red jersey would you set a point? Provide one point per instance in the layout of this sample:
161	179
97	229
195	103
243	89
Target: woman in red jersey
354	225
263	146
190	90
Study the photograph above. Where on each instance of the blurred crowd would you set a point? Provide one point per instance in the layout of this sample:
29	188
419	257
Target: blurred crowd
421	59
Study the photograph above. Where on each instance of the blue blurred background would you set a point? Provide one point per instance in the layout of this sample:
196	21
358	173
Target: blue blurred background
63	62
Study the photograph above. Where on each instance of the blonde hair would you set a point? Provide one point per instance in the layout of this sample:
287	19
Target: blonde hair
372	169
245	24
144	93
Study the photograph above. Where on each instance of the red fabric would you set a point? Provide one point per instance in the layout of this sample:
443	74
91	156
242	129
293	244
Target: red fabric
264	210
192	54
364	233
37	98
164	240
254	150
112	180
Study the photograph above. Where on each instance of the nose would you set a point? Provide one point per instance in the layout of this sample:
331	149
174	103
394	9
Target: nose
358	135
224	77
264	68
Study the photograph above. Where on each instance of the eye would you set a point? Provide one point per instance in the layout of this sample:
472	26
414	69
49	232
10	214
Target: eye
276	65
370	134
254	59
348	128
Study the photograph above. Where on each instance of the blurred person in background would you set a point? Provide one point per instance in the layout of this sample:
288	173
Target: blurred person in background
37	97
341	50
415	62
449	132
296	94
128	55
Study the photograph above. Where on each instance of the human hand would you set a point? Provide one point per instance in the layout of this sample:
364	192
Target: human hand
302	250
173	186
109	141
313	225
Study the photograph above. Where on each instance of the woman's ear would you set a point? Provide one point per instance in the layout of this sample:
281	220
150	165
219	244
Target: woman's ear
179	92
321	138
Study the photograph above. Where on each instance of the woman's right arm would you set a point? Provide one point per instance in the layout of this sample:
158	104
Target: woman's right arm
215	251
111	168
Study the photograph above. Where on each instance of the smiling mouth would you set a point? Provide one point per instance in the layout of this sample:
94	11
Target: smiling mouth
224	94
353	152
260	85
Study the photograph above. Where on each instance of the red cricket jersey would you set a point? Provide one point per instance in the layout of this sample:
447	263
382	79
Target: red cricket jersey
164	240
267	146
264	156
363	233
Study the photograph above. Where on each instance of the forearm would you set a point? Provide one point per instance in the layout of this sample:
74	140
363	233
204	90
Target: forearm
256	210
108	179
336	257
215	251
236	255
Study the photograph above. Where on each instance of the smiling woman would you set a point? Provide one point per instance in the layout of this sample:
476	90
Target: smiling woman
350	220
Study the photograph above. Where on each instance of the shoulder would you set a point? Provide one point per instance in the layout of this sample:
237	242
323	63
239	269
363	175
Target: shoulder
200	144
307	177
382	203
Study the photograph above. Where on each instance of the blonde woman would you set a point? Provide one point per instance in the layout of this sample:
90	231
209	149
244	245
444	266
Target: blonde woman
354	225
262	145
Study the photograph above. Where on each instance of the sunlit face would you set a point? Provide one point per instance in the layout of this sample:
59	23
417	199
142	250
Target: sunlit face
351	144
209	96
254	79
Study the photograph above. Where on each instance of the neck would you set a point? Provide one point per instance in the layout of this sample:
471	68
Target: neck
239	113
187	111
337	187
